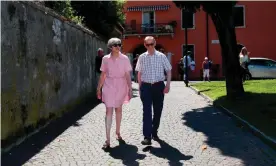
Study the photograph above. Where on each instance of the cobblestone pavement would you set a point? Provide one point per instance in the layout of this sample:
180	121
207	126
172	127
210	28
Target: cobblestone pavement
193	133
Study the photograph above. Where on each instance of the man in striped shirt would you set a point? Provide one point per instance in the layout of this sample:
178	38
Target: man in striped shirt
151	66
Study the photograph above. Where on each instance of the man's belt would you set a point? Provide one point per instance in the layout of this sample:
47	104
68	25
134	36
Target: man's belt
152	83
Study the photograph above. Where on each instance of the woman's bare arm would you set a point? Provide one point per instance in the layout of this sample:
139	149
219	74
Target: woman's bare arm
101	81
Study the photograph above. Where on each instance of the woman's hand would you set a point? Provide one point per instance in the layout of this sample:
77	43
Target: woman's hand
130	94
99	94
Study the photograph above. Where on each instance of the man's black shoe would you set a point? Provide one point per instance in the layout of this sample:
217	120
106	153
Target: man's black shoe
155	138
146	141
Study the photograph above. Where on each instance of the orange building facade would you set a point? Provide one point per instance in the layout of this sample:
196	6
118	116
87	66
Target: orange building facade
254	24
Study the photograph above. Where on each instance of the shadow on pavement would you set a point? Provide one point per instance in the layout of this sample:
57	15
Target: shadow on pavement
259	109
18	155
222	133
135	92
127	153
168	152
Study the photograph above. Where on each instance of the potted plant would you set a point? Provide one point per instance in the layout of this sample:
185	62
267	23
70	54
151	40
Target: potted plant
173	24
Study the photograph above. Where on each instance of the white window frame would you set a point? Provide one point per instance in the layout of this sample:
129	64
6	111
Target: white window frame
244	25
153	19
183	50
193	21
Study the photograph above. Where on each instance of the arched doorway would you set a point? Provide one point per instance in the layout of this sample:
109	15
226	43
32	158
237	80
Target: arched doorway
140	49
159	46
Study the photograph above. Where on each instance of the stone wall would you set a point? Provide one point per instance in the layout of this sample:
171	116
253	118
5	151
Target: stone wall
47	63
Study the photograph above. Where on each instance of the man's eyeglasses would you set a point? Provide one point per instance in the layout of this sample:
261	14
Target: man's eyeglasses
116	45
149	44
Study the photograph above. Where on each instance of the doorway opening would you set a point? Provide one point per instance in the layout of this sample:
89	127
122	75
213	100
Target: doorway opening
140	49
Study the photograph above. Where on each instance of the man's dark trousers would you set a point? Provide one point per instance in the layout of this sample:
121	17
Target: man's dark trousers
186	80
152	95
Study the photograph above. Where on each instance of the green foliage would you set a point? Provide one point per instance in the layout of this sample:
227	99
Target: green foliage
64	8
191	6
101	16
120	10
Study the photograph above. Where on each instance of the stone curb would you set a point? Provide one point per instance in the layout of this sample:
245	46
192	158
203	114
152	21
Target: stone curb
253	129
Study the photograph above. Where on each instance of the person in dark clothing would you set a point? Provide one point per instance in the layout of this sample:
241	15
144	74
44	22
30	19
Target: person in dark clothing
98	63
180	69
206	69
134	66
99	58
187	58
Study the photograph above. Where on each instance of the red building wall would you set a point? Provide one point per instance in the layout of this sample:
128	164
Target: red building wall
258	34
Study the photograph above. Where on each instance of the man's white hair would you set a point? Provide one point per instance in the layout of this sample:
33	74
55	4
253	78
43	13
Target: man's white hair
113	41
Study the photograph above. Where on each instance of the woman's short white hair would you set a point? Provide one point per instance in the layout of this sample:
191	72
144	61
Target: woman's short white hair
113	41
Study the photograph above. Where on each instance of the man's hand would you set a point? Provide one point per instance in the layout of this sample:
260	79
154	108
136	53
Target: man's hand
168	83
167	88
139	89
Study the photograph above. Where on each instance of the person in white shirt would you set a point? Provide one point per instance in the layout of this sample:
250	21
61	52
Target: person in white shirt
244	62
193	65
151	66
244	59
169	56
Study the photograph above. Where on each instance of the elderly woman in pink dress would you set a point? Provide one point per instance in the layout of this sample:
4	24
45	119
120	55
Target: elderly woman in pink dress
114	87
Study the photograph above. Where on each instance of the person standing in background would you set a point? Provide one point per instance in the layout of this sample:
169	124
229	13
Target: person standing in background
163	51
169	56
244	59
244	62
192	65
206	69
98	62
180	69
187	67
134	66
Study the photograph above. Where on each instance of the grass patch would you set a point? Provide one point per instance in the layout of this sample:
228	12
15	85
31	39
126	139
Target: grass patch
257	106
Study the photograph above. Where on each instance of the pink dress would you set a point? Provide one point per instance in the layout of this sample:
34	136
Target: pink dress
115	89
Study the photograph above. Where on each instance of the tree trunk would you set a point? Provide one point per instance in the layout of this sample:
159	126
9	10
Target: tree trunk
227	37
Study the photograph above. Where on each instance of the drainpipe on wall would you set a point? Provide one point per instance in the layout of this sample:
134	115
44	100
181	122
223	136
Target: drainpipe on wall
207	35
186	54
